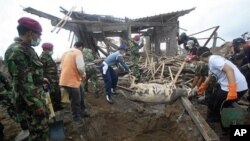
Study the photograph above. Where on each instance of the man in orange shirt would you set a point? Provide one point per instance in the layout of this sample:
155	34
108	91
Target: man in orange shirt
72	73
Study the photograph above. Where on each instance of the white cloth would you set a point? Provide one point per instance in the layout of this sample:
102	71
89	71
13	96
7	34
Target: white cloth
105	67
216	64
80	64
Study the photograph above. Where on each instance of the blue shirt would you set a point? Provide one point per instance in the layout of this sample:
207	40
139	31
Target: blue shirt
116	59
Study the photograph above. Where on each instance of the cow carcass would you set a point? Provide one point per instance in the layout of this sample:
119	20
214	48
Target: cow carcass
155	93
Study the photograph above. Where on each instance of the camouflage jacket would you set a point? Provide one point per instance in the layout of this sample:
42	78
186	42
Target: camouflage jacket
49	67
201	69
134	47
5	88
88	56
26	71
88	59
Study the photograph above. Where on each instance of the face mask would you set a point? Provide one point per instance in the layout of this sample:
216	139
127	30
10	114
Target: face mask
51	53
35	43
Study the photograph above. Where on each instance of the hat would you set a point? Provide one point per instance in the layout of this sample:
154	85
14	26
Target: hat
238	41
202	50
190	43
123	46
136	37
47	46
30	24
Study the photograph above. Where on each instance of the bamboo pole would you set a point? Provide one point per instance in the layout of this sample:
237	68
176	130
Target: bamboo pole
163	66
179	72
61	21
65	21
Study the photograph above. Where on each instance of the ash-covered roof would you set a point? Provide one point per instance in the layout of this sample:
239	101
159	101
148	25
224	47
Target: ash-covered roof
164	17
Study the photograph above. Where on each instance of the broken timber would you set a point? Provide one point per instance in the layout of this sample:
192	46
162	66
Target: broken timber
201	124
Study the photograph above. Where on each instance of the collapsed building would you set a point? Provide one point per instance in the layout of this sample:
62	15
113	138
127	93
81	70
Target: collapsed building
136	121
91	28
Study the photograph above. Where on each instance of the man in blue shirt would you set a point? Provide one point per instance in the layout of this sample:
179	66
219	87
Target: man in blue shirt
109	75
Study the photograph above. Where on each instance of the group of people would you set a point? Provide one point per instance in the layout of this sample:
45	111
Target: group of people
22	94
29	76
222	80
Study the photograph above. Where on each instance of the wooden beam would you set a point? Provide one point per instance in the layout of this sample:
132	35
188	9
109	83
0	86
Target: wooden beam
124	88
215	30
102	51
93	28
206	131
111	44
132	23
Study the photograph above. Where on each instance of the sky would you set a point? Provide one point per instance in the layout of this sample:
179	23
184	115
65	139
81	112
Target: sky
233	17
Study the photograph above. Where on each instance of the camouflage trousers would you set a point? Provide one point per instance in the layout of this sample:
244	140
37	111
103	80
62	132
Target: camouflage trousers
36	124
91	75
6	102
135	68
55	95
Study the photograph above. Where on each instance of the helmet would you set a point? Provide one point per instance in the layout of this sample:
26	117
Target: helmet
238	41
47	46
136	37
183	36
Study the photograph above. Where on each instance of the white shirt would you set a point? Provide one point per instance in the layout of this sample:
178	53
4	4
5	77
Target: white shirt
216	64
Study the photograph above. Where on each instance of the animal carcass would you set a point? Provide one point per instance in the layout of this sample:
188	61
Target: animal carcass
155	93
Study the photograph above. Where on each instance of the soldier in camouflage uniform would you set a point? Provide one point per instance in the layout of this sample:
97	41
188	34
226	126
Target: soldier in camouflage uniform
91	72
50	72
134	48
5	99
201	72
26	71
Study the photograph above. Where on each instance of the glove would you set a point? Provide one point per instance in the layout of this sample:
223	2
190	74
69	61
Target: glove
232	94
202	88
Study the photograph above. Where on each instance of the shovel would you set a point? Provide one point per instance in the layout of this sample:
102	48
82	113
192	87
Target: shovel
56	128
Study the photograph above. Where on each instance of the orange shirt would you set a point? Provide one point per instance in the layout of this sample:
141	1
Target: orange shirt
70	76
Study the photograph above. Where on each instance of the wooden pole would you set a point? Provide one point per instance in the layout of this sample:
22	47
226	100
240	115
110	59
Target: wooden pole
179	72
162	71
65	21
215	30
215	39
61	20
206	131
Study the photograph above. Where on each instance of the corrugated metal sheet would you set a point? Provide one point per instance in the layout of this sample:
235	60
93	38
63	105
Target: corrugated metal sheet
164	17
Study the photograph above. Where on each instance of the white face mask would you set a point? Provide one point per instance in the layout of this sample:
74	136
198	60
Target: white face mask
51	53
35	43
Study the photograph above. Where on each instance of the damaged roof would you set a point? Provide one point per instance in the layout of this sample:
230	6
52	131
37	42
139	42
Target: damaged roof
164	17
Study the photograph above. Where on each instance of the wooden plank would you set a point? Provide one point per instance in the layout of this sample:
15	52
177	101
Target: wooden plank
215	30
206	131
124	88
179	72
